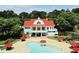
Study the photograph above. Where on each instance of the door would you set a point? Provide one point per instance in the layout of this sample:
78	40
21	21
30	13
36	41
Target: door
43	34
38	34
33	34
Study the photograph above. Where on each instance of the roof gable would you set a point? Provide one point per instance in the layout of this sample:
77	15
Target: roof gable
43	22
38	22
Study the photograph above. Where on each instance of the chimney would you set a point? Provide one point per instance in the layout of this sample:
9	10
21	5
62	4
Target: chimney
38	18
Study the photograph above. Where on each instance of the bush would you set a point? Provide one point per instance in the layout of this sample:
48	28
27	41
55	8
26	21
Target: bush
66	39
75	36
63	33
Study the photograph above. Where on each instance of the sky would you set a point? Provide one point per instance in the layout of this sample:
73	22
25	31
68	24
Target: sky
29	8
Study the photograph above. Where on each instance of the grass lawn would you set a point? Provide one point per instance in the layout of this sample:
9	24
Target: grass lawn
53	38
1	44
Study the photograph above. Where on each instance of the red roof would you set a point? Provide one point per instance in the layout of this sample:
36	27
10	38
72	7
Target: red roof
46	23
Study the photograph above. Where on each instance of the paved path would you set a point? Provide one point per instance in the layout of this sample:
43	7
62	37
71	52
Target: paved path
21	47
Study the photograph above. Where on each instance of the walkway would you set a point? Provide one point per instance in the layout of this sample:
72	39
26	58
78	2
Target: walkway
21	47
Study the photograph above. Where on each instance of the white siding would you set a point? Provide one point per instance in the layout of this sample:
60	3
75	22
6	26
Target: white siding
27	30
50	32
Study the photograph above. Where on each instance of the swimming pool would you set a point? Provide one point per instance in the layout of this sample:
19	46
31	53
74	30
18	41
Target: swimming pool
37	48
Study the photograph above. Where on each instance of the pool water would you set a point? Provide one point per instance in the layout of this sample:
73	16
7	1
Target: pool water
37	48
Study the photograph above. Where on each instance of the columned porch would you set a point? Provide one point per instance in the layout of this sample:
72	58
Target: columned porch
38	34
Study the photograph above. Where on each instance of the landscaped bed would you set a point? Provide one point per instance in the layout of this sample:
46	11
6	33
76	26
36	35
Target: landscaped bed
12	41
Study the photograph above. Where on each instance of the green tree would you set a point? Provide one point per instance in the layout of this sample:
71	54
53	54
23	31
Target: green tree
54	14
43	14
7	14
36	14
70	17
75	10
24	15
62	24
10	27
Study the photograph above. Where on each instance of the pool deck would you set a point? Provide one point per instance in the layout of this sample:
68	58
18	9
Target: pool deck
21	47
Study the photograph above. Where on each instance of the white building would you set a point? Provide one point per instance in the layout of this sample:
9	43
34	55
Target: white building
40	27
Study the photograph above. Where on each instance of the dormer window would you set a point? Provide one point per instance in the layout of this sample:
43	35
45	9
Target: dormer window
38	22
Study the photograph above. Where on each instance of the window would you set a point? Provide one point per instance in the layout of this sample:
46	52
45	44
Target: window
49	31
38	28
34	28
56	34
38	22
43	28
53	31
43	34
27	27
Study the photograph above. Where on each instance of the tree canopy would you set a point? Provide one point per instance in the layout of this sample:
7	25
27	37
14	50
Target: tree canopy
36	14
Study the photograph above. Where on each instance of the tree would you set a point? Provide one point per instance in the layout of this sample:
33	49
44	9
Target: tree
70	17
54	14
36	14
62	10
7	14
62	24
10	28
75	10
24	15
67	10
42	14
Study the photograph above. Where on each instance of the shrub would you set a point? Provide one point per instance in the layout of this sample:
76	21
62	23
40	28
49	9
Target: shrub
75	36
66	39
63	33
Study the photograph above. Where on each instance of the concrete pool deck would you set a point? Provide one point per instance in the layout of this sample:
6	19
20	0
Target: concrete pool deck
21	47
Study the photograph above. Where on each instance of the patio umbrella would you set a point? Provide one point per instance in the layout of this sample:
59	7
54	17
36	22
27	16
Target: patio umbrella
22	38
75	49
75	44
7	45
24	35
43	41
